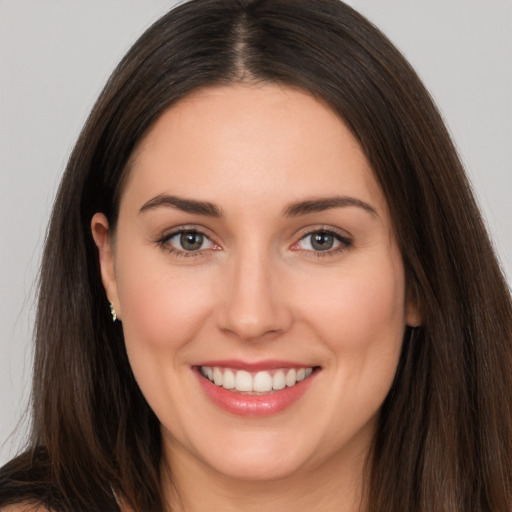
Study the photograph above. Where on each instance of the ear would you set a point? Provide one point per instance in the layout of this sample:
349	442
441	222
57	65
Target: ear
103	240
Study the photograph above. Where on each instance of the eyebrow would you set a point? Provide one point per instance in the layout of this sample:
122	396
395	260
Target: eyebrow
326	203
293	210
185	205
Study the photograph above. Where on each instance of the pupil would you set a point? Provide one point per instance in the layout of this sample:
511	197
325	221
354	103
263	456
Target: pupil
322	241
191	241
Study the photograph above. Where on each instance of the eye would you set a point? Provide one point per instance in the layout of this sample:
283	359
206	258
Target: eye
322	240
319	241
187	241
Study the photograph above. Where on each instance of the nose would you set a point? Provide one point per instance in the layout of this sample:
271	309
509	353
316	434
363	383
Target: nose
254	305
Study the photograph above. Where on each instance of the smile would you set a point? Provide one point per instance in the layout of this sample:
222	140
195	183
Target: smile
255	382
255	390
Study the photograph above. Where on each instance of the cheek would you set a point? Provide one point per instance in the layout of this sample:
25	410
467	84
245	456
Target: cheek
162	307
362	320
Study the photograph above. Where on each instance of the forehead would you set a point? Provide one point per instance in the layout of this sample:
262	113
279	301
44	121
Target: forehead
264	141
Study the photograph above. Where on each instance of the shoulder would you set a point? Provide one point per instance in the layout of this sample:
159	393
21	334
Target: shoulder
27	484
23	484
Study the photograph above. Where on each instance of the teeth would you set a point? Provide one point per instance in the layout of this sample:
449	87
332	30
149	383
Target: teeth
243	381
228	380
217	376
291	378
259	382
279	380
262	382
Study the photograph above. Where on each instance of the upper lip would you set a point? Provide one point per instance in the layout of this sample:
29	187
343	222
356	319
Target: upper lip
268	364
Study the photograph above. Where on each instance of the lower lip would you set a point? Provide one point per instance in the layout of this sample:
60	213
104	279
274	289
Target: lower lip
254	405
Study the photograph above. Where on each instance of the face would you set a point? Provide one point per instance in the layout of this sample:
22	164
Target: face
258	281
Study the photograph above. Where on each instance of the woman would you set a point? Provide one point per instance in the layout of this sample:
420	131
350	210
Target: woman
266	284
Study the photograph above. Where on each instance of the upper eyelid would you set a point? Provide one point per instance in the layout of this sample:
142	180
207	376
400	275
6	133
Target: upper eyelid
169	233
342	233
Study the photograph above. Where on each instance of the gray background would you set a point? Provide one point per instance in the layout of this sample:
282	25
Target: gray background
55	55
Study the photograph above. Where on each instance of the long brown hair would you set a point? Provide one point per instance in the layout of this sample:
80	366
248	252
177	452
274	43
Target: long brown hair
444	441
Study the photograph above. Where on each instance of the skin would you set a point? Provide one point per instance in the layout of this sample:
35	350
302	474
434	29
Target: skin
259	290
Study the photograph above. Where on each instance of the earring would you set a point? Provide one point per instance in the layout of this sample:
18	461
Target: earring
112	311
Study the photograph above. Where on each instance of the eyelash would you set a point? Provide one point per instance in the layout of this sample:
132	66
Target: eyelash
164	243
344	243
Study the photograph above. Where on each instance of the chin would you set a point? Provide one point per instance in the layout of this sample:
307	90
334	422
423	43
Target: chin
252	455
261	467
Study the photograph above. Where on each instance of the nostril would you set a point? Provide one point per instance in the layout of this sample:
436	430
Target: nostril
263	322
